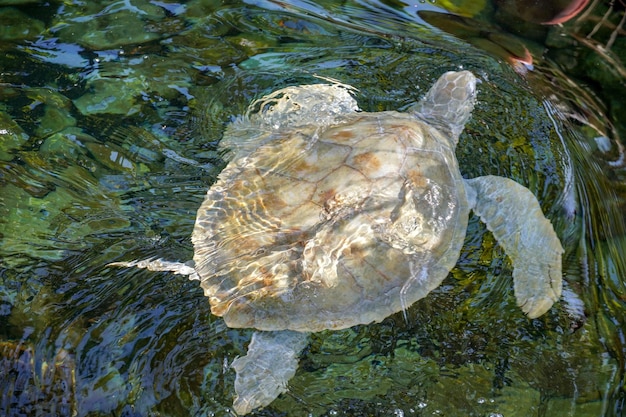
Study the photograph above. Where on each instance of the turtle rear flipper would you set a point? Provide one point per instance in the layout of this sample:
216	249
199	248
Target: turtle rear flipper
160	265
262	374
512	213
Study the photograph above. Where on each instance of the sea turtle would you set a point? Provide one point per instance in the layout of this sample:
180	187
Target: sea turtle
329	217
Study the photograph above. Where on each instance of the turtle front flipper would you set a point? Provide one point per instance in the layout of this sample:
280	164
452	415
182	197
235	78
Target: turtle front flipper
512	213
263	373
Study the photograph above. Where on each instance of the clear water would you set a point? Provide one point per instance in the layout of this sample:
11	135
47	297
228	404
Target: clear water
109	117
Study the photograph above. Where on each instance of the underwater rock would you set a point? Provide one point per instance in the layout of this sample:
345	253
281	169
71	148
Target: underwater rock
17	25
12	136
31	386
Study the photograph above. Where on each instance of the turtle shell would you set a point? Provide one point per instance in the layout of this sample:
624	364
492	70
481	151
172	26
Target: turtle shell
325	225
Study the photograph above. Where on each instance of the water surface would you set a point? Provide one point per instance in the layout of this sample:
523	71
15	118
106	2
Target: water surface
110	114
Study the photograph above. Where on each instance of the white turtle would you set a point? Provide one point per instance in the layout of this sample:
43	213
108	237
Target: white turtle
328	217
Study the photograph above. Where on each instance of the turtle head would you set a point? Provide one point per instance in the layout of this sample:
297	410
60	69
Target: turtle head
449	103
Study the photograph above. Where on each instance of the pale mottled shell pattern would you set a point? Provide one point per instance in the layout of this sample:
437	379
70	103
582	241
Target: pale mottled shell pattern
328	217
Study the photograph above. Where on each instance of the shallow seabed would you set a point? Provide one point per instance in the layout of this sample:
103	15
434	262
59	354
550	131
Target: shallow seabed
110	112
